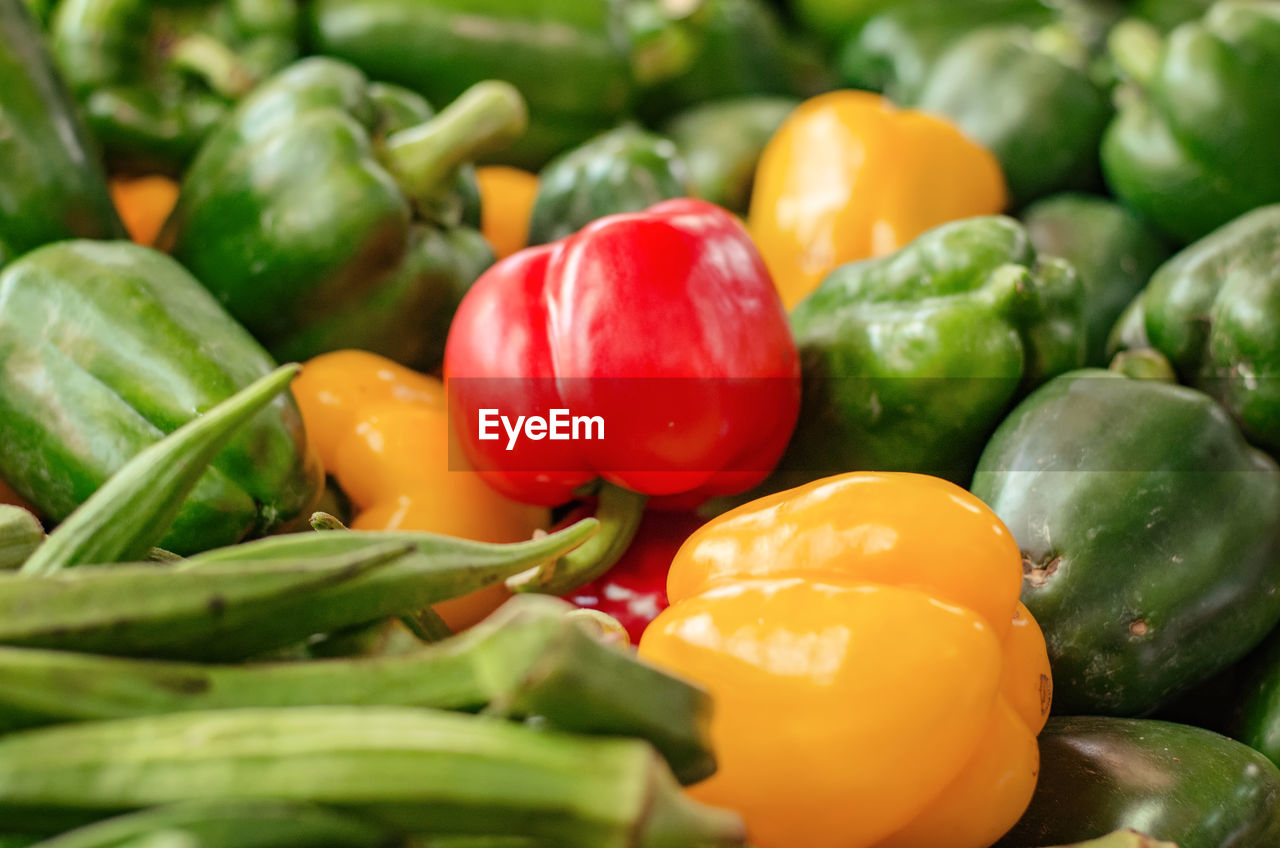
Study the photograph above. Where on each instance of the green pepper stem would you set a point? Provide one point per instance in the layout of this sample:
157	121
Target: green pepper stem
215	63
423	159
1135	47
1143	364
663	42
619	511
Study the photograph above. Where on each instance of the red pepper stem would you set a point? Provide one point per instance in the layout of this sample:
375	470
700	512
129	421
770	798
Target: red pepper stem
488	115
619	511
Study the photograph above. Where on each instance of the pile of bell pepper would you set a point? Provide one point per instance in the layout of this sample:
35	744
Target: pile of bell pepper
639	423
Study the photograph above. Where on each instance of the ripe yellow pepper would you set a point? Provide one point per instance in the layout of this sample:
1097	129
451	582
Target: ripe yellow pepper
877	682
849	176
382	432
506	207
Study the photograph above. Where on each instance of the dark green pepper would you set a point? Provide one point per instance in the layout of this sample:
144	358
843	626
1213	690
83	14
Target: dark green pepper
576	63
1015	75
1112	250
321	223
739	48
1256	718
1213	311
1177	783
1137	505
721	143
897	50
1193	145
51	185
1027	99
156	77
107	346
624	170
911	360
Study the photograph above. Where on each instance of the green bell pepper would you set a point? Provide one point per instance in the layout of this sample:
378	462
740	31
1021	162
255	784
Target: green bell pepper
739	48
1256	718
721	143
1211	310
1177	783
51	185
624	170
1114	252
911	360
1193	145
577	64
107	346
1015	75
897	50
1029	102
156	77
321	222
1135	504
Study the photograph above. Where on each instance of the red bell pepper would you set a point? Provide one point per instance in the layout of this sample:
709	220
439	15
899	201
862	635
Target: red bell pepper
666	327
634	590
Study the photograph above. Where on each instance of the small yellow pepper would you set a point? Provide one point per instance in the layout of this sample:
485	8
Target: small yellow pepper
877	682
143	204
382	432
506	207
849	176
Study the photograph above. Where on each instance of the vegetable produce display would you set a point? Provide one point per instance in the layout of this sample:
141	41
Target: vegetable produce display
639	424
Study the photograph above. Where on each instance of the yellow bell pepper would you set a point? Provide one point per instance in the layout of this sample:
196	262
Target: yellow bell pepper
877	682
506	207
382	432
849	176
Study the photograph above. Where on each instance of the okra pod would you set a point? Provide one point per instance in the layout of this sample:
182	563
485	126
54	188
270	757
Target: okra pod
132	511
230	609
20	535
414	770
527	659
232	824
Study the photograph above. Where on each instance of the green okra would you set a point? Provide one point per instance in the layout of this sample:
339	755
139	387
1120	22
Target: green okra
415	770
132	511
232	824
527	659
235	607
20	535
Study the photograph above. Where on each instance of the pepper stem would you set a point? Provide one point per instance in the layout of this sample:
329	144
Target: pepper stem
1144	364
488	115
619	511
215	63
1135	47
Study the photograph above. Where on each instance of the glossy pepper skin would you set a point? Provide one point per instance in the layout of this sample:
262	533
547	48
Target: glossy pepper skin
911	360
849	176
646	319
627	169
1211	310
1113	251
817	618
382	433
366	243
1189	786
1201	116
154	78
575	63
107	346
51	185
1132	501
721	143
